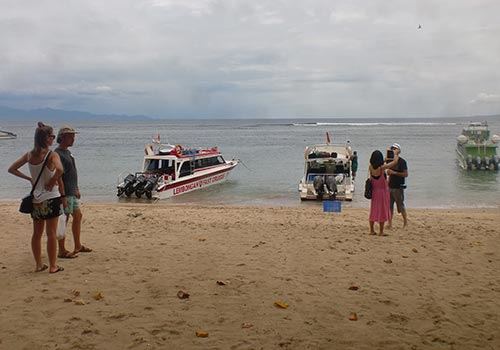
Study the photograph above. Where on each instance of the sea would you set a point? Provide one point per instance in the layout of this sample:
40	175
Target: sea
272	158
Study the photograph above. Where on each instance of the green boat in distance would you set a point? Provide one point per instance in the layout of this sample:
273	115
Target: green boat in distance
475	149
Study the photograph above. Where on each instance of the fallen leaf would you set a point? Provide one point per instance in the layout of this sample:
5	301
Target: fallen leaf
246	325
221	283
202	239
182	294
75	292
353	316
201	334
281	304
353	288
98	295
79	302
68	300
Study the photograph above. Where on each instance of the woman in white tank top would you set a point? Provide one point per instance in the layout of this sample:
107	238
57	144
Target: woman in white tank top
48	194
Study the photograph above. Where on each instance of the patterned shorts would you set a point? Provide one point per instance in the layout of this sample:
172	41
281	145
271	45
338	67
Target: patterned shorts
51	208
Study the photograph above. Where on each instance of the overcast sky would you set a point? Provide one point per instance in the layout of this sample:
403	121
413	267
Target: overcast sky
252	59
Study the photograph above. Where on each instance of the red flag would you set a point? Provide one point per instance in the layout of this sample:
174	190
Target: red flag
327	138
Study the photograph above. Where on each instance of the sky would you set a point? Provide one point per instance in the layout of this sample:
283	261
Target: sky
252	58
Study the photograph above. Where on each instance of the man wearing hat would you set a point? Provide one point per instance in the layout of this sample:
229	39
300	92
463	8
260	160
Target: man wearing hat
397	184
66	139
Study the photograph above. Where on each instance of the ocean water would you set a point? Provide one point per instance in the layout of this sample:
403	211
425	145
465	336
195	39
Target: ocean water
272	155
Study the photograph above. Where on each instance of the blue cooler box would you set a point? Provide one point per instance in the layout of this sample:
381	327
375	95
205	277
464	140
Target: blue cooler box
332	206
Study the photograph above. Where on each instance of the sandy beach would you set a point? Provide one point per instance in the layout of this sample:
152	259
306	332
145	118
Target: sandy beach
433	285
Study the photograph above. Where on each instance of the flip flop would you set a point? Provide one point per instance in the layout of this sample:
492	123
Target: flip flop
43	268
59	268
67	255
83	249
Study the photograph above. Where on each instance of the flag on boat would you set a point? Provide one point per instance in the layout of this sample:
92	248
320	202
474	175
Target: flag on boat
327	138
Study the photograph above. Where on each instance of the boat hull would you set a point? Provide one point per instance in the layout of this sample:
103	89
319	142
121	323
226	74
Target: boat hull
194	182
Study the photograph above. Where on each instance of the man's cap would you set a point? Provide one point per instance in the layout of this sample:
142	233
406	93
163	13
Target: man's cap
66	130
397	146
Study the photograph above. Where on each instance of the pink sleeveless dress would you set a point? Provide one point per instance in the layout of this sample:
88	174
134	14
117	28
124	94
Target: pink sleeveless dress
380	210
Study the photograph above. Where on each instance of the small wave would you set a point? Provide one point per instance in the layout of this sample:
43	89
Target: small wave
373	124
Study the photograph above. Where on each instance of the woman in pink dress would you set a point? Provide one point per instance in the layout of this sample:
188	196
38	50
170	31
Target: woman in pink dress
380	210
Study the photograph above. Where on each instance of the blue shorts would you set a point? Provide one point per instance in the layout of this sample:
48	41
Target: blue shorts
51	208
73	204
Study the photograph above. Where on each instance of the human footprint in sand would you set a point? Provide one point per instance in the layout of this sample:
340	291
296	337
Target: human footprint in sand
380	202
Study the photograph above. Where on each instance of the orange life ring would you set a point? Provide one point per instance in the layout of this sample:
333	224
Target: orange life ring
178	150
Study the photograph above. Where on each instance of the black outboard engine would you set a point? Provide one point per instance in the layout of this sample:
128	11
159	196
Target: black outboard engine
469	162
477	162
148	186
331	185
486	163
495	160
319	186
138	184
125	185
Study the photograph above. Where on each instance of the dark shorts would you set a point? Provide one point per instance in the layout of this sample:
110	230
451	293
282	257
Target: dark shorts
51	208
398	197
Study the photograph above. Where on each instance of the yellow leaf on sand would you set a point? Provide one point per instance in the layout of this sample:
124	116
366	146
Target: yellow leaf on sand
98	295
79	302
201	334
281	304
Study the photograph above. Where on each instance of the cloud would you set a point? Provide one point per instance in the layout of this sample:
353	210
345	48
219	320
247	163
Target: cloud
211	57
483	97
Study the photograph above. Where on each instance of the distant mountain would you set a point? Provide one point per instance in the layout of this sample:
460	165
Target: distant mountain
7	113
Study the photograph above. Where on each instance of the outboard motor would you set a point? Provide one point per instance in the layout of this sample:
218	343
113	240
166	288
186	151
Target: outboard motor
486	163
469	162
319	186
494	160
477	162
138	184
331	185
125	185
148	186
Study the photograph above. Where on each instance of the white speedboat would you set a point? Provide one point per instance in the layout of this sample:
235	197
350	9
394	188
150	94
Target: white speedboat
169	171
327	172
7	135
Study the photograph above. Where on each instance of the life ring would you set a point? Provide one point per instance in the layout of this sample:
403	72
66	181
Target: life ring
149	150
178	150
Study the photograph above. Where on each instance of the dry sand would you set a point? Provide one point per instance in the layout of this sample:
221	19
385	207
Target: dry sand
434	285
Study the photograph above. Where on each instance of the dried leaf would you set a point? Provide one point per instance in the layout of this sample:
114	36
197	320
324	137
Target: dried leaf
201	334
353	288
68	300
79	302
221	283
75	292
182	294
281	304
353	316
98	295
246	325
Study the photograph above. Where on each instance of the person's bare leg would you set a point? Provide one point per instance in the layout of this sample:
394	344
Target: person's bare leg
381	225
76	227
405	219
36	243
372	228
51	228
